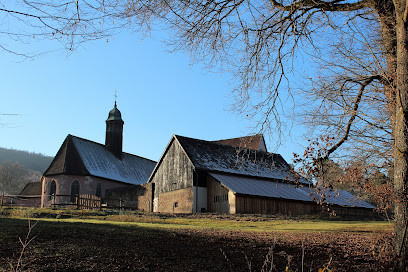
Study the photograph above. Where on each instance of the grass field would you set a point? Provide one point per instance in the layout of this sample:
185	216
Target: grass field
70	240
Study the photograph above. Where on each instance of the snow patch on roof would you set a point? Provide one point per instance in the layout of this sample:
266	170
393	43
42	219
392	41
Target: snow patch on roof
102	163
216	157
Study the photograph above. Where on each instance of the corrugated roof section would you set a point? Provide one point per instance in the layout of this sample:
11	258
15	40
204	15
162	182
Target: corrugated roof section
216	157
264	188
339	197
259	187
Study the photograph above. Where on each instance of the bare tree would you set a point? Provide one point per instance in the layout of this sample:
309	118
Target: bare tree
262	38
70	23
13	177
262	41
348	102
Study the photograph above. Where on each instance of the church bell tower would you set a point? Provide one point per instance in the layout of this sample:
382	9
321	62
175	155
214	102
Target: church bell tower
114	132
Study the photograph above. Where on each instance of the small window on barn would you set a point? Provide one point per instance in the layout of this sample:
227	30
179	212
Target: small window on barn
98	190
175	204
74	190
53	189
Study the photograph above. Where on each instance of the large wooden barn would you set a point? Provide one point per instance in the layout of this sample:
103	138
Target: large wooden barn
227	176
235	176
84	167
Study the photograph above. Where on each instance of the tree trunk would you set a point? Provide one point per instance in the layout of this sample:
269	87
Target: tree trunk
401	139
386	15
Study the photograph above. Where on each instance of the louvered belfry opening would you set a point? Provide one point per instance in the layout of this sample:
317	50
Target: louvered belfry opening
114	132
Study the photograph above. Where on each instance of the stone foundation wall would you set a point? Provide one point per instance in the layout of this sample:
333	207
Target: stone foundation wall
178	201
136	197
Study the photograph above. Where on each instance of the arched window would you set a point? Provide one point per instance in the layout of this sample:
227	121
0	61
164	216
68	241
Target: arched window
74	190
98	190
52	189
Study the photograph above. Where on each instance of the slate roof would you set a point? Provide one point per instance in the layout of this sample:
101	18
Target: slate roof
215	157
250	142
79	156
258	187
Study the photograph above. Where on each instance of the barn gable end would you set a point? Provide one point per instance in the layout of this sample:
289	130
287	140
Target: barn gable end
173	179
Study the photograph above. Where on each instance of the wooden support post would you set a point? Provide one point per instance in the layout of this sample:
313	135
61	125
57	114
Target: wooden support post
2	197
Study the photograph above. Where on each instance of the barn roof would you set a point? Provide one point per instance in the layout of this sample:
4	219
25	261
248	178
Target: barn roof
79	156
216	157
258	187
250	142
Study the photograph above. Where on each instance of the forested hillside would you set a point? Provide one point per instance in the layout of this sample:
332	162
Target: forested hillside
30	160
17	168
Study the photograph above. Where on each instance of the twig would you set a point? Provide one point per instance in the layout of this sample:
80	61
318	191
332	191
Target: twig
25	244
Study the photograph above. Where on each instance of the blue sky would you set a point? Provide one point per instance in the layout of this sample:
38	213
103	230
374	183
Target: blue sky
159	94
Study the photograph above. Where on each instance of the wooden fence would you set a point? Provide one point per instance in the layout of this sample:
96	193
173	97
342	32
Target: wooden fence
88	202
85	201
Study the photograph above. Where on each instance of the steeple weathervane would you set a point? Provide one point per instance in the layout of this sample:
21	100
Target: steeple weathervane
116	96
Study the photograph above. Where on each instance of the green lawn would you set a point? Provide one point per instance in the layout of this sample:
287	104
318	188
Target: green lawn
287	225
255	223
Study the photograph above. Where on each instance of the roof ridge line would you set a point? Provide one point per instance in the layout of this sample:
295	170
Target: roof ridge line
87	140
240	148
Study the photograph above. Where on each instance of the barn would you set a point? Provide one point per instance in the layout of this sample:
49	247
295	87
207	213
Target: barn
84	167
236	176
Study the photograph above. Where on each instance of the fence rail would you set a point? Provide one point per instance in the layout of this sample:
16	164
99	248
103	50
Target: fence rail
85	201
88	202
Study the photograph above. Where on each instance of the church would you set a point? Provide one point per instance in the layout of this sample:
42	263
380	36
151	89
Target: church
84	167
228	176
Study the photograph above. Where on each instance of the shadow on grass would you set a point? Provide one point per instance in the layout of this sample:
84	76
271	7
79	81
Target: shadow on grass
63	246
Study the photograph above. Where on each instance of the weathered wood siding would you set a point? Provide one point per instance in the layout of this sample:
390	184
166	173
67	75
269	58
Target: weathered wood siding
219	198
259	205
174	173
352	211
